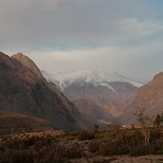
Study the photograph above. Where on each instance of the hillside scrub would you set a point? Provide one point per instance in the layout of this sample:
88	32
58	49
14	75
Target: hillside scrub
47	147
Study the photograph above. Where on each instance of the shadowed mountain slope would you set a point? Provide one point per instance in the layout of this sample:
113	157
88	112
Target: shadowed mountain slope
24	90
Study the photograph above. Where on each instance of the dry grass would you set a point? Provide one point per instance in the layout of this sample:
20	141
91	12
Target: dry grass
57	147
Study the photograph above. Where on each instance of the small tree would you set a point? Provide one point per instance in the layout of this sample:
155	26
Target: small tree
145	123
157	121
96	127
161	119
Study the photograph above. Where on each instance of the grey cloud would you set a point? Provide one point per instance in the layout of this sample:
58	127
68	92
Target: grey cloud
62	35
28	24
140	62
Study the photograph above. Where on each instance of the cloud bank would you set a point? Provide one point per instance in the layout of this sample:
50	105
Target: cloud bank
67	35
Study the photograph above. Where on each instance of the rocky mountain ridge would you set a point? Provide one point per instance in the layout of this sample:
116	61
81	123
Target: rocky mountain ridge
24	90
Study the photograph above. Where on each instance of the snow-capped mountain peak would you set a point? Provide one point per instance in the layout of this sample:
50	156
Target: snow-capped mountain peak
96	78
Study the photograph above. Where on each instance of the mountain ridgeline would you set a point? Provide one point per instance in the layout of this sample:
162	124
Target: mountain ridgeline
149	99
115	101
23	89
26	94
100	100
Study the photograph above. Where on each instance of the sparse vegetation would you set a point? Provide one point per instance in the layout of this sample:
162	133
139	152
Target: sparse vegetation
86	135
53	147
157	121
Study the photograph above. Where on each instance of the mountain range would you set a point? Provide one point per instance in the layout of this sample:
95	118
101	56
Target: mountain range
115	101
63	79
96	96
79	101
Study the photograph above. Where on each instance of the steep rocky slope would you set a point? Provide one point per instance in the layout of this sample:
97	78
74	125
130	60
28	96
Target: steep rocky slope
23	89
149	99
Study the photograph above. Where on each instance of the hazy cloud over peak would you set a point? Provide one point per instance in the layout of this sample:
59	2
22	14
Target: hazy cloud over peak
43	27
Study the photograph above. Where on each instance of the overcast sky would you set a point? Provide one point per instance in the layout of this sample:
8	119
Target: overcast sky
124	36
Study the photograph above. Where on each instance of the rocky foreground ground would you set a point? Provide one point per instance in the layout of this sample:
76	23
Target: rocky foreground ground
116	146
122	159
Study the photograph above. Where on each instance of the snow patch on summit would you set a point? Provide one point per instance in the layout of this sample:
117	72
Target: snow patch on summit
63	80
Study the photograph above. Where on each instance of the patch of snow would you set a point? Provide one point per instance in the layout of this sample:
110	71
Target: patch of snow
93	77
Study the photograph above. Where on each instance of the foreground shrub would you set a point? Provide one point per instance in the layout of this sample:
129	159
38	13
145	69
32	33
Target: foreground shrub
73	151
24	141
93	146
43	148
128	142
141	149
113	148
86	135
155	134
51	154
48	154
16	156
